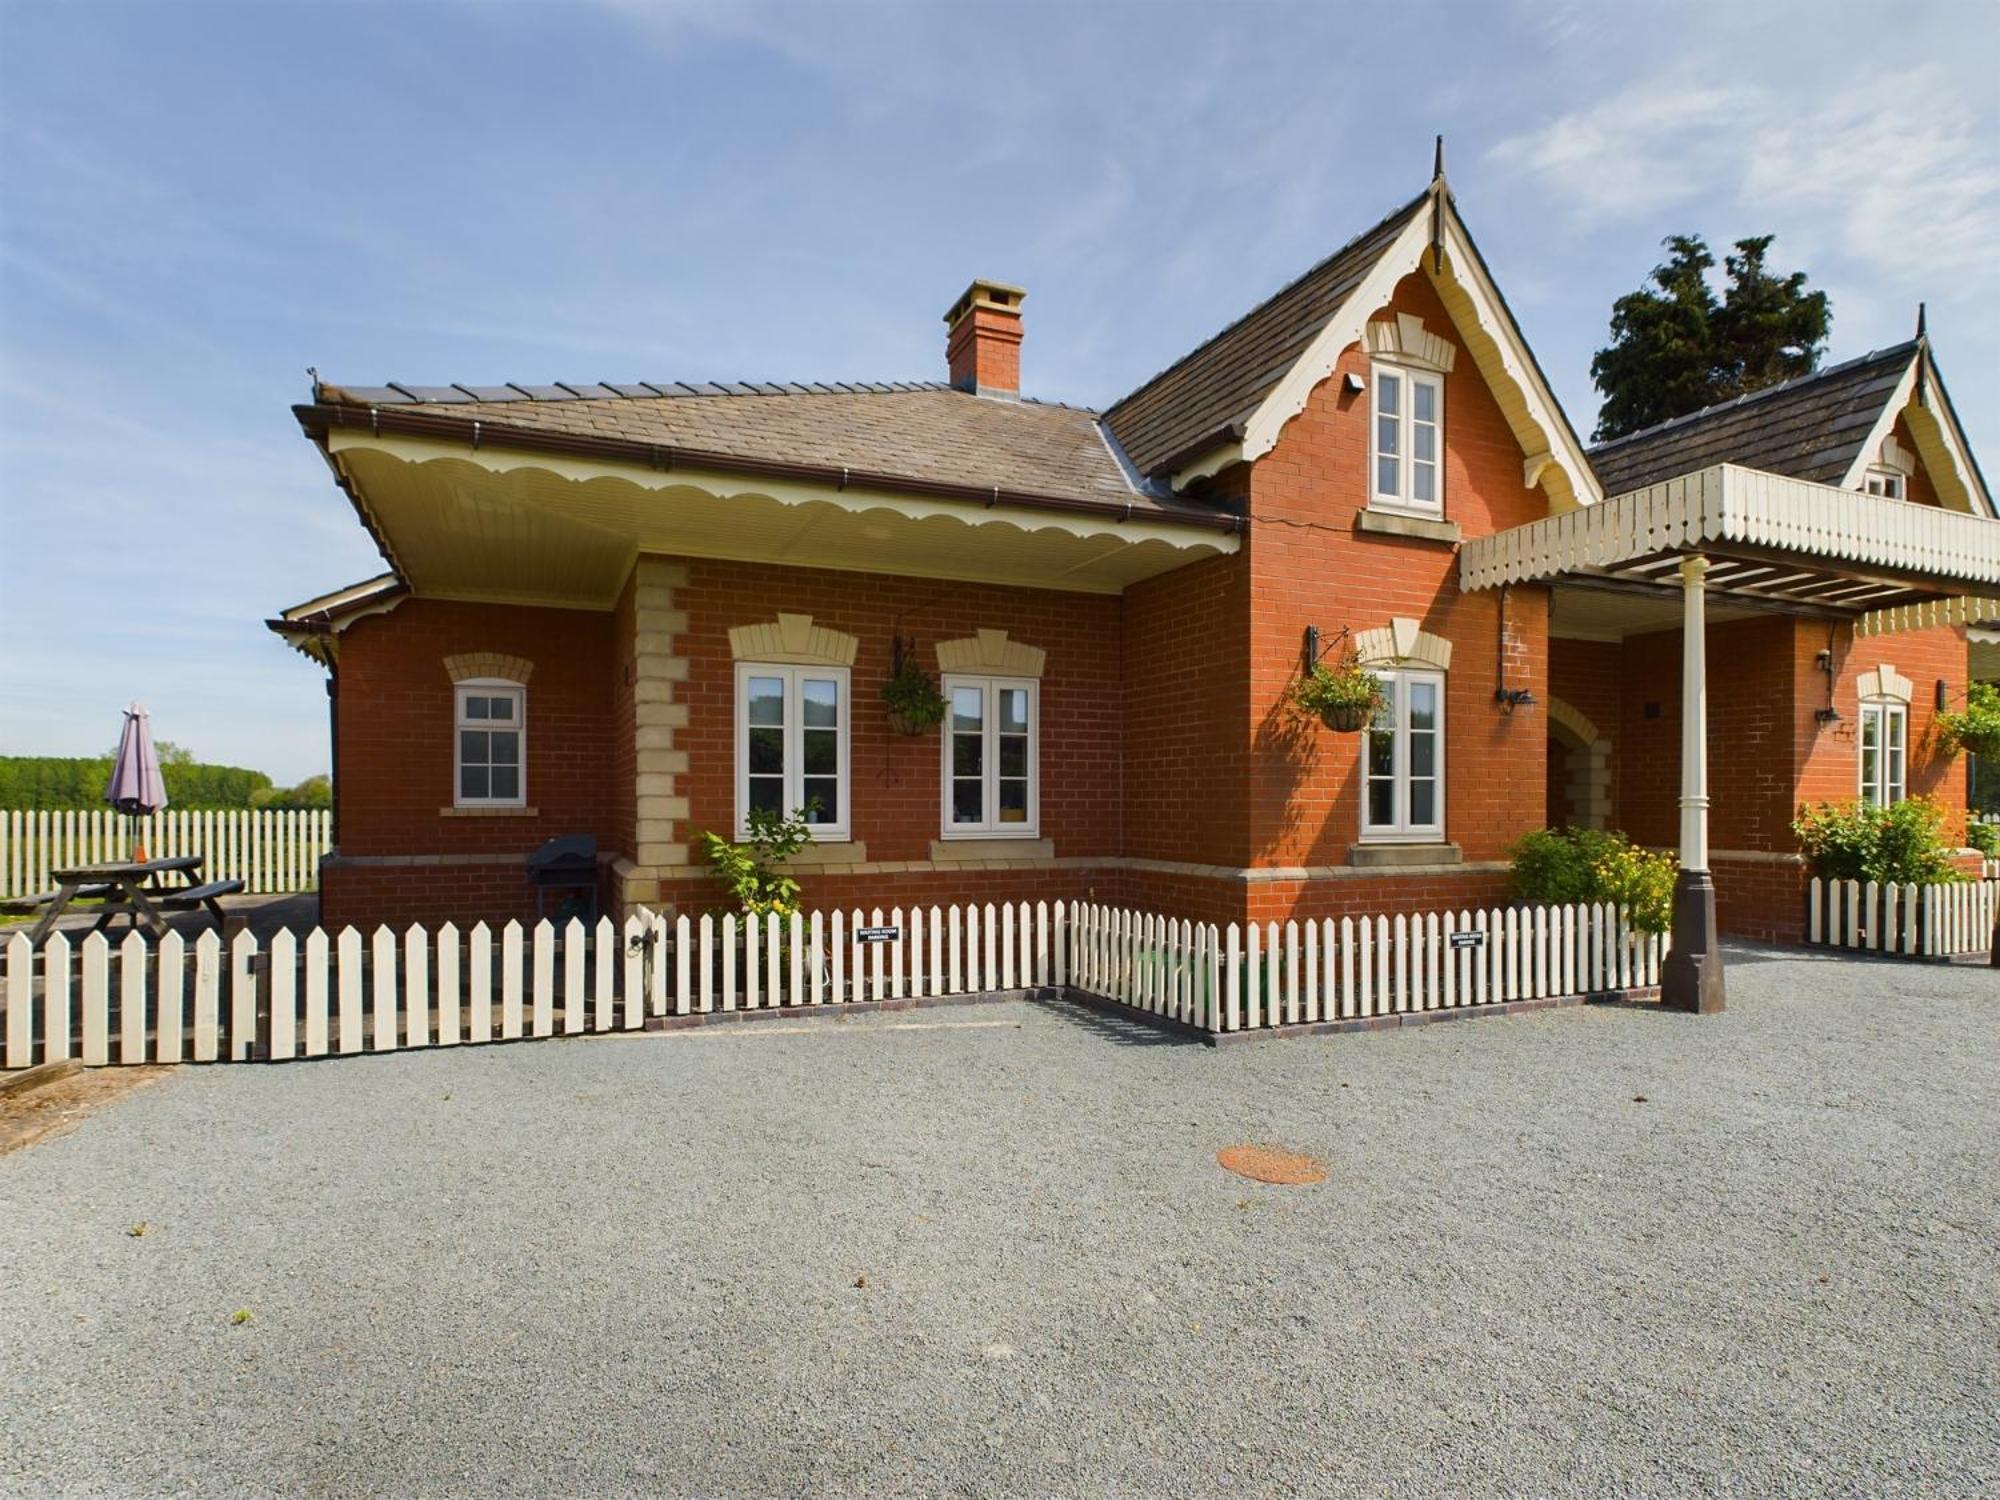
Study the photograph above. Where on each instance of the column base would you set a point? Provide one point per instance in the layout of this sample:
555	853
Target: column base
1691	977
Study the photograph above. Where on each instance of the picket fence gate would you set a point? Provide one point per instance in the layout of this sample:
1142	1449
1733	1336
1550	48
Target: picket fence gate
1921	921
270	850
141	1001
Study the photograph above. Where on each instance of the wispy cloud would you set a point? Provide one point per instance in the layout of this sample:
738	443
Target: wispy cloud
1893	170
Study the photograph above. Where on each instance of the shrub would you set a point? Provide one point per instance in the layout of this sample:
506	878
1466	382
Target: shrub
1976	727
749	868
1564	866
1901	843
1985	837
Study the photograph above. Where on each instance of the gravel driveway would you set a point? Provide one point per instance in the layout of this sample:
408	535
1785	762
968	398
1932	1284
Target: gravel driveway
989	1251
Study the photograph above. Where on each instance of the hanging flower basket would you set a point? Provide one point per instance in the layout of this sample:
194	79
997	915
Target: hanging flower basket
1976	727
1344	697
915	705
905	722
1346	718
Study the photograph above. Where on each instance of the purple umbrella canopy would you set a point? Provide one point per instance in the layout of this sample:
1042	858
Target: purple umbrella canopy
136	785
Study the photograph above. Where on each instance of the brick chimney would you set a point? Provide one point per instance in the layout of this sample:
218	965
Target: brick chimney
984	344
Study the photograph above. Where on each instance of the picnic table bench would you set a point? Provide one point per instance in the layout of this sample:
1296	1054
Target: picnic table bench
131	889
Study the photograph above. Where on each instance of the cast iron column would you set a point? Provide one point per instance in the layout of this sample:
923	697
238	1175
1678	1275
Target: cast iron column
1691	979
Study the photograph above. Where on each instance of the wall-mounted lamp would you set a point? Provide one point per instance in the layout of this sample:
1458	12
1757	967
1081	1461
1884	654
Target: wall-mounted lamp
1354	384
1943	695
1824	661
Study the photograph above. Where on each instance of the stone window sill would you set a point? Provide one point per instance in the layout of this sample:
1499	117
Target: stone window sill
986	850
829	852
1398	856
1395	523
489	812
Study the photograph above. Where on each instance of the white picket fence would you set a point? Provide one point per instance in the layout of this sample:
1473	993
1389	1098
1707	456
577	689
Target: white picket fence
207	1001
1926	921
1254	977
268	849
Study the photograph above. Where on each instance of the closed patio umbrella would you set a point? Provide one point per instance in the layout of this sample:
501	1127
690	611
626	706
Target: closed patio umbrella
137	789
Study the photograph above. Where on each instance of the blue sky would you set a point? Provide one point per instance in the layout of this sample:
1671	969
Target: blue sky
199	201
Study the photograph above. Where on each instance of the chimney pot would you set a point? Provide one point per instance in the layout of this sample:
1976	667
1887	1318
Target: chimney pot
984	342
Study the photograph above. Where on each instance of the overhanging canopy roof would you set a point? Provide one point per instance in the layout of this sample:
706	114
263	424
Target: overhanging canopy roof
1782	543
494	521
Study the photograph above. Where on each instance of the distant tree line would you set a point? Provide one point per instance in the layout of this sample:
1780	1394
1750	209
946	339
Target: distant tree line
63	783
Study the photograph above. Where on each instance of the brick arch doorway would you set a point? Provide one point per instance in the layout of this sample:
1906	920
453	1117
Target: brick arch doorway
1579	784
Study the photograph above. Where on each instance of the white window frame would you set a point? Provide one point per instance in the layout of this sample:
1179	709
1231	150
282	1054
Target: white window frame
838	830
1403	499
990	827
487	687
1401	830
1890	716
1886	483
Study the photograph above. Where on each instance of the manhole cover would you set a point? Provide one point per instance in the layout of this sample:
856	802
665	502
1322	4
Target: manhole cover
1269	1164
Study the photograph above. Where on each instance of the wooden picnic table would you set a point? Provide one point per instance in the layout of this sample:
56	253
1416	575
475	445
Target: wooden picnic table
131	889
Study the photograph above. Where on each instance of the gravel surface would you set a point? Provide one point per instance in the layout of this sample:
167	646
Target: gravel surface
989	1251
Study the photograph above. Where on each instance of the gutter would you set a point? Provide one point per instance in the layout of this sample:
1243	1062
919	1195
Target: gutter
318	420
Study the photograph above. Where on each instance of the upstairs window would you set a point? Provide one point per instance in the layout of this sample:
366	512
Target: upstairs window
990	775
1887	483
1885	727
490	758
791	745
1408	447
1402	759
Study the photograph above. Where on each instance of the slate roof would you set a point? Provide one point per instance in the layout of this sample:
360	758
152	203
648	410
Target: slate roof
1809	428
1208	394
918	431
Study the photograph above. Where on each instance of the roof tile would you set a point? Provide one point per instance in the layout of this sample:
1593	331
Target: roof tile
1809	428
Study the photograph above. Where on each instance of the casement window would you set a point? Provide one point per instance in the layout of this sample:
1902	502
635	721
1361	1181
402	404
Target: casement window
1408	448
1402	759
1887	483
490	759
791	745
991	779
1885	729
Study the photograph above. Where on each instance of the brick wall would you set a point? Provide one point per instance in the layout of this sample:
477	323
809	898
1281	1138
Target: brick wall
895	791
396	729
1187	754
1310	566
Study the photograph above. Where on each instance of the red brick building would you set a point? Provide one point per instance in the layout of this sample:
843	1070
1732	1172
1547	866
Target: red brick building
638	611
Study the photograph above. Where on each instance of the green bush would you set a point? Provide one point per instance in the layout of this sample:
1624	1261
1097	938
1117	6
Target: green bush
1902	843
751	868
1565	866
1985	837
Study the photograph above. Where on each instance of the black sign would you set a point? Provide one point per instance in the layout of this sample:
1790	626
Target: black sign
1468	940
878	934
